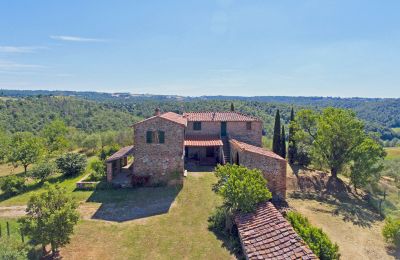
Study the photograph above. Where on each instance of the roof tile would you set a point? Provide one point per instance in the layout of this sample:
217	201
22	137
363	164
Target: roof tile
265	221
219	116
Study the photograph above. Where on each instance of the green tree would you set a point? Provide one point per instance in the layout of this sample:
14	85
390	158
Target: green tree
339	134
276	141
283	143
292	148
232	107
25	149
42	170
51	217
92	142
71	164
55	135
4	145
368	163
241	188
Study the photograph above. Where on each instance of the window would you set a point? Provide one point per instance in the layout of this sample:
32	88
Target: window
197	126
149	137
248	125
161	137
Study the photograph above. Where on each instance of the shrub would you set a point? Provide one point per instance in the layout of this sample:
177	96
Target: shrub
71	163
12	249
315	238
391	231
241	188
98	170
108	151
42	171
13	185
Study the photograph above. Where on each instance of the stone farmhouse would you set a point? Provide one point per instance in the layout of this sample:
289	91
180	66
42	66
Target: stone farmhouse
168	143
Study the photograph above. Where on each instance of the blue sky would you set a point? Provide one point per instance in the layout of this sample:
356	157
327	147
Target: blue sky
227	47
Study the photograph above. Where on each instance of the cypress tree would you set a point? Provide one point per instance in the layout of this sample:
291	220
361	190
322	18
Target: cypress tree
232	107
283	143
276	142
292	149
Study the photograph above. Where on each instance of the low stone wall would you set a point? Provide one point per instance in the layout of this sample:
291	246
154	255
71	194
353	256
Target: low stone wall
86	185
273	169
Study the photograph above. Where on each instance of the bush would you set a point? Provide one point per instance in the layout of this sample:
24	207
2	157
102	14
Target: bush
71	164
241	188
42	171
13	185
314	237
391	231
98	170
10	249
108	151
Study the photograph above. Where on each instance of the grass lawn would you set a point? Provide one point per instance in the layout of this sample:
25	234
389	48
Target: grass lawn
392	152
179	233
67	183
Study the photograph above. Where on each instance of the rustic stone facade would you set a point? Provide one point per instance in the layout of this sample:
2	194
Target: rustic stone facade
236	130
158	160
272	166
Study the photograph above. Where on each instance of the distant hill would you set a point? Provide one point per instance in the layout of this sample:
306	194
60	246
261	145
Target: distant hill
380	114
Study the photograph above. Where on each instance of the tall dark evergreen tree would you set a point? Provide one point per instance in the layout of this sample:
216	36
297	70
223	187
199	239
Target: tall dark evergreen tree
292	149
232	107
276	142
283	143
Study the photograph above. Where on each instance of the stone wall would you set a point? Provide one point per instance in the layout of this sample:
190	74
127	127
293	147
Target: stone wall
239	131
273	169
158	160
236	130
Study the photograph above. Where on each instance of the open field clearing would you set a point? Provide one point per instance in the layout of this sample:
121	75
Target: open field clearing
392	152
8	169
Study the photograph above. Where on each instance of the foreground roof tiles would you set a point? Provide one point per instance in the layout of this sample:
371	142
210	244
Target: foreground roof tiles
203	140
266	234
256	149
121	153
219	116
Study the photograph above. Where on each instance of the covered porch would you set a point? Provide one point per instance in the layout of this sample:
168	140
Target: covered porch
203	151
119	167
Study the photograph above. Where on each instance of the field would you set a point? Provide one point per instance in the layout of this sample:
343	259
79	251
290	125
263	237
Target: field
392	152
7	169
147	223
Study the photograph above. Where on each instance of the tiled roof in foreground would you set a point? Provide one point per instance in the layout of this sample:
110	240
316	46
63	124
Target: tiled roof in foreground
256	149
266	234
121	153
203	140
219	116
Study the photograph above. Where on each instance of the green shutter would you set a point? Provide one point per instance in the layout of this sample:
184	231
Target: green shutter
161	137
149	137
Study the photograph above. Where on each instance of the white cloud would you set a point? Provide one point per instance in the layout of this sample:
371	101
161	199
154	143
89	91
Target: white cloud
13	66
75	38
19	49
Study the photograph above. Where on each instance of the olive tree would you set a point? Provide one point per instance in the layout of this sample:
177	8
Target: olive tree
51	217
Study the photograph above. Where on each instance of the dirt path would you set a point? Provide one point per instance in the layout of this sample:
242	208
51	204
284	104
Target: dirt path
12	211
355	241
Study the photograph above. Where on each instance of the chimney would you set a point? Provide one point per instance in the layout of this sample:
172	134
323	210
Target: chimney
157	112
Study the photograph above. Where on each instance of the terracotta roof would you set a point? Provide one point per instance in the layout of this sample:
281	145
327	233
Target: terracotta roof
171	116
203	140
121	153
219	116
174	117
256	149
266	234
